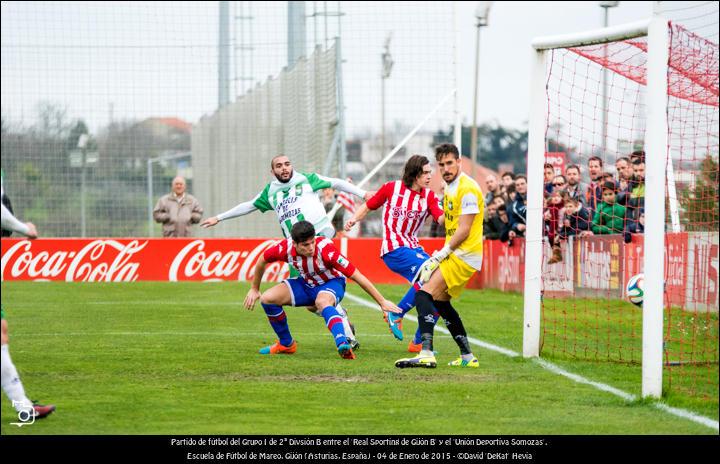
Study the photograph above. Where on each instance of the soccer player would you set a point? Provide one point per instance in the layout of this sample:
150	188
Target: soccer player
292	196
449	269
11	384
406	204
321	284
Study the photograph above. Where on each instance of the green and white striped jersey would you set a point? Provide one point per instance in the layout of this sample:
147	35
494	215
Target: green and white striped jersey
295	201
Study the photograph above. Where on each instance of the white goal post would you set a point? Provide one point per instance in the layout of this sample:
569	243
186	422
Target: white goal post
656	143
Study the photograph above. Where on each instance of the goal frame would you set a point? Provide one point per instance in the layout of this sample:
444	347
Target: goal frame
656	143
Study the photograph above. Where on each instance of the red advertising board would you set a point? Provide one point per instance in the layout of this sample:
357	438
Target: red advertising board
558	160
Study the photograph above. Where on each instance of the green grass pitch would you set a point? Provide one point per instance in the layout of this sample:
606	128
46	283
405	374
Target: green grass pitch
182	358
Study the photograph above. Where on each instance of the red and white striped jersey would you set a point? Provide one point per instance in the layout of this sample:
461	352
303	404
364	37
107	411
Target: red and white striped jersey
325	264
404	212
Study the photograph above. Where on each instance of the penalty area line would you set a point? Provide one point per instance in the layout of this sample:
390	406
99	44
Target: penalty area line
682	413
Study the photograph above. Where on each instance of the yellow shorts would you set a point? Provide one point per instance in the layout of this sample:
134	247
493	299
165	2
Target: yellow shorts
456	273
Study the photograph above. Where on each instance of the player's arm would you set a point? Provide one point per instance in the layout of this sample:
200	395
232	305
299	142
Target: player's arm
347	187
436	209
240	210
359	215
276	252
386	305
254	293
372	203
10	222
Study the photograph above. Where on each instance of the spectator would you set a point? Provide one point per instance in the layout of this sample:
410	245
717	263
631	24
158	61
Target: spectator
634	226
493	188
576	221
609	217
553	214
624	172
494	225
593	194
559	183
574	188
548	175
518	209
508	179
637	155
177	211
635	197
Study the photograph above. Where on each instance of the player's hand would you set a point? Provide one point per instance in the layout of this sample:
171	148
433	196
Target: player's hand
350	224
521	227
32	230
209	222
251	298
427	268
390	307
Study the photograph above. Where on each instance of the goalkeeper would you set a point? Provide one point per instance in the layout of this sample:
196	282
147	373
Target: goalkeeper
446	273
292	196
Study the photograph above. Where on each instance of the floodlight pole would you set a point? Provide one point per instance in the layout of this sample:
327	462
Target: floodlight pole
605	6
481	16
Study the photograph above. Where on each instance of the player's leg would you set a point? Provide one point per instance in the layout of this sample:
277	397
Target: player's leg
425	304
457	274
405	262
328	296
13	387
272	301
348	327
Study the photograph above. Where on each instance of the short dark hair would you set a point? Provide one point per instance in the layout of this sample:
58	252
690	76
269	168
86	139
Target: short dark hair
637	161
623	158
609	186
548	165
272	161
595	158
521	176
508	173
637	154
413	168
502	207
302	231
446	149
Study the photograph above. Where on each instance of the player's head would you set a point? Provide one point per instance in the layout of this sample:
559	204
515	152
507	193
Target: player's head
448	159
417	172
303	236
178	185
281	167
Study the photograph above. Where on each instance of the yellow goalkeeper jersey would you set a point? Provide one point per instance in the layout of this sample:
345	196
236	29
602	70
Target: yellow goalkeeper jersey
463	196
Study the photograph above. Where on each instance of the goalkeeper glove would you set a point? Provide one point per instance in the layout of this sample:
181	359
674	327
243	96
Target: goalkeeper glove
429	266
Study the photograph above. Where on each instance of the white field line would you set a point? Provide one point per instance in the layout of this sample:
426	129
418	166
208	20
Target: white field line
702	420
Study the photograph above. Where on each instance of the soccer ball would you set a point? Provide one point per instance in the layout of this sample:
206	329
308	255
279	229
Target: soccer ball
635	289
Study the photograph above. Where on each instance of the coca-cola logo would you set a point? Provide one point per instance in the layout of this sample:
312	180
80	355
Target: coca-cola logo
193	260
98	261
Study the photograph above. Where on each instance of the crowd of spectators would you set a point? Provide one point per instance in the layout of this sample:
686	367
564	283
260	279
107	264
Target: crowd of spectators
610	203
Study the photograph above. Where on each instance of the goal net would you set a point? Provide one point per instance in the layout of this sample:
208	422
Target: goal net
594	205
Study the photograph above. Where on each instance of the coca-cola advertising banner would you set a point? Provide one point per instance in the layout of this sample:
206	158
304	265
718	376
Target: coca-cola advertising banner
591	266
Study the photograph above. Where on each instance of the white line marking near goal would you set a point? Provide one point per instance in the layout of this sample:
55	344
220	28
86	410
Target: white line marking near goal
702	420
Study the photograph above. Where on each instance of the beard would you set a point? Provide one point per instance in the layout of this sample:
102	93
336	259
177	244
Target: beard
286	180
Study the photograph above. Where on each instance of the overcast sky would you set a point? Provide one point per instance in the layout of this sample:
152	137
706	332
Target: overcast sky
144	59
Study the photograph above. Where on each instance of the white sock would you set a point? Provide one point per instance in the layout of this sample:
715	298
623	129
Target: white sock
11	384
345	321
